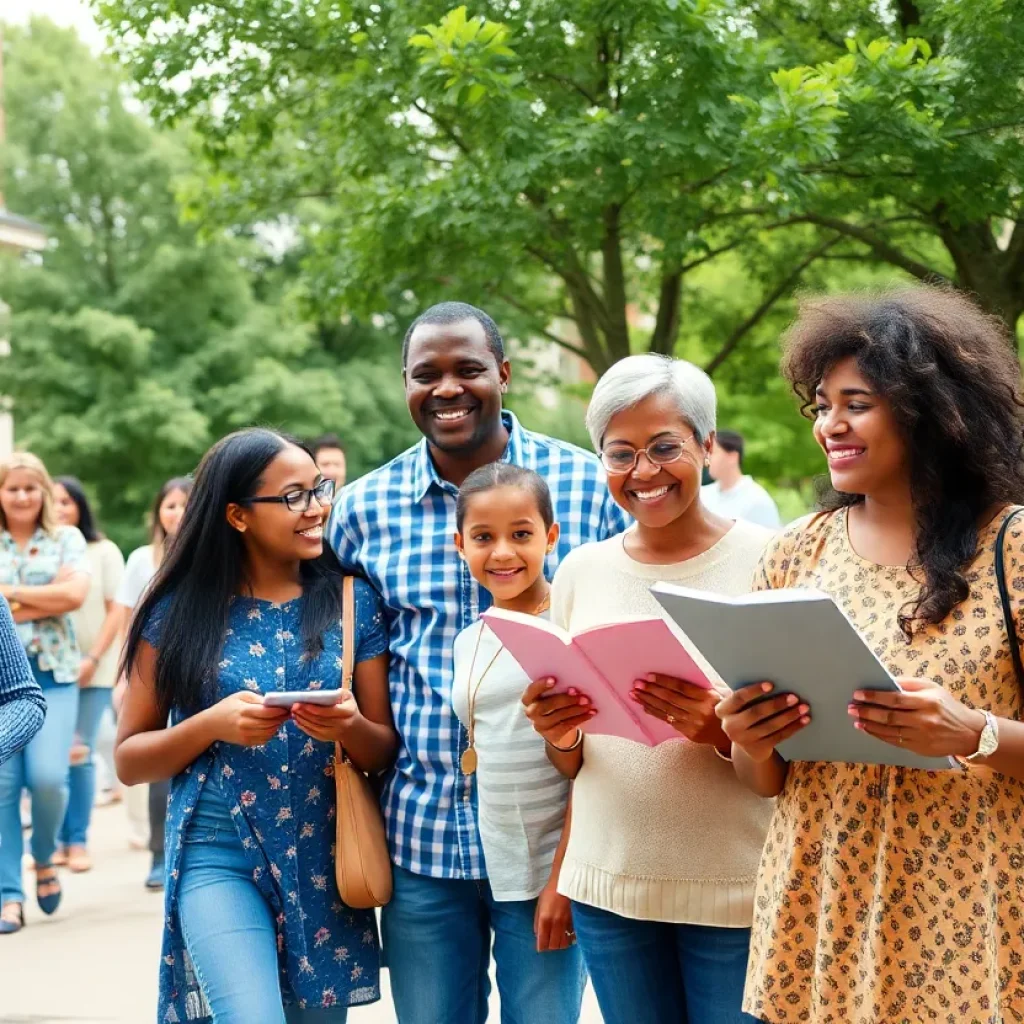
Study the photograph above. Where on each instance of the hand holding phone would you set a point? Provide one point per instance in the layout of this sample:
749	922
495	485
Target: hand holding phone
328	724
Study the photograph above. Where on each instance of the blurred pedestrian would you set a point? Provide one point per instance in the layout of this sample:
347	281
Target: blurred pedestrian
97	624
44	576
165	518
330	459
734	494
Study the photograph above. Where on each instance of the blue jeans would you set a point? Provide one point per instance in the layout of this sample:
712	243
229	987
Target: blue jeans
92	703
228	926
42	769
645	972
437	947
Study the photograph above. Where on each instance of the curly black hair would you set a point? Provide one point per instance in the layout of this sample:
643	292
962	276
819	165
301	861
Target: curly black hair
951	376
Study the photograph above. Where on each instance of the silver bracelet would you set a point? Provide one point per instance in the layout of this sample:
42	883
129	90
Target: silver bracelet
568	750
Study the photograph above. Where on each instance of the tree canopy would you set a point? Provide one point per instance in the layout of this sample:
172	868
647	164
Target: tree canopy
135	342
575	164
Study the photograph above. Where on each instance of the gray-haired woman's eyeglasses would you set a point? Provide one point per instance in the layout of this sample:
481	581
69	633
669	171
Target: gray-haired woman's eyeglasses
298	501
619	459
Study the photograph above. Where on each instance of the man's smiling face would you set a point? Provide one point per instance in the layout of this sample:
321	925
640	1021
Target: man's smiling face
453	385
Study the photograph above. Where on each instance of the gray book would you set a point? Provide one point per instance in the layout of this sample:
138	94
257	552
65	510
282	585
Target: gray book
801	641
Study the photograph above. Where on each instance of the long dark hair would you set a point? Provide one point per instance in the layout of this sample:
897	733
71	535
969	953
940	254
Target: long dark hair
86	520
205	569
951	377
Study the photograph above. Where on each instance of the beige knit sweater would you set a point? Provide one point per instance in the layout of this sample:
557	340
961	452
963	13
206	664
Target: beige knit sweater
662	833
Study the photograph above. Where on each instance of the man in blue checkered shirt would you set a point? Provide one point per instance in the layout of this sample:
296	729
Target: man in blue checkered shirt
396	525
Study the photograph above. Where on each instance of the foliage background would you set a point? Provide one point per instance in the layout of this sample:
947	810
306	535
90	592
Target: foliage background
247	203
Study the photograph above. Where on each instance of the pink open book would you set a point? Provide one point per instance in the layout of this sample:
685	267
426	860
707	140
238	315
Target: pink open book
603	662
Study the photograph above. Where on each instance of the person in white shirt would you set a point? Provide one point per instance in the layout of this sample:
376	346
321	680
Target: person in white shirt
733	494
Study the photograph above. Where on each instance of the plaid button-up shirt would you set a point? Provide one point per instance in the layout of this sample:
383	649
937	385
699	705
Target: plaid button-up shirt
396	525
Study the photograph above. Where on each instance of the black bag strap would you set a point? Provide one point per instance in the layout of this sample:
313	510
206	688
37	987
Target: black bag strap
1004	594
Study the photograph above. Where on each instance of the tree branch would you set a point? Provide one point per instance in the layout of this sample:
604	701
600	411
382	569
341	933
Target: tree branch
576	350
670	301
617	331
781	289
883	249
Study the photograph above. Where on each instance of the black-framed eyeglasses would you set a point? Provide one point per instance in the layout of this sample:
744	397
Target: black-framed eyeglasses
298	501
619	459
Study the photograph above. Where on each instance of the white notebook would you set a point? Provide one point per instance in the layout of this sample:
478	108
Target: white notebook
801	641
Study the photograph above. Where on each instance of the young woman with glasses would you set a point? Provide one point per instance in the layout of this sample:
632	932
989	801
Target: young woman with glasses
664	842
248	602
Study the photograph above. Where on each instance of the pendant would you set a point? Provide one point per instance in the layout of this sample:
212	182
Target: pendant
468	761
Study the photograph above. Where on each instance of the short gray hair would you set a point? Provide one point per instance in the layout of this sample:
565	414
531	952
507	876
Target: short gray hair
635	378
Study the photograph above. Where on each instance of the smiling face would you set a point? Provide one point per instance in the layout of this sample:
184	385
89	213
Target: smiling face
453	385
64	507
857	431
21	498
656	495
271	530
505	541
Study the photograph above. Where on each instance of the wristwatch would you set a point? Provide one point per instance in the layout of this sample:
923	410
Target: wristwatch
988	744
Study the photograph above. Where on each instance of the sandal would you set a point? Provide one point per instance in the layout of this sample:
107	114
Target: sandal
12	918
78	859
49	900
60	858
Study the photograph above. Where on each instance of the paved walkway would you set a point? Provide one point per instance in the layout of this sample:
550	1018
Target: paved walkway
95	961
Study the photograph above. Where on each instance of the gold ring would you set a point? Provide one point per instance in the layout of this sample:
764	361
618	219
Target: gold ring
900	737
671	719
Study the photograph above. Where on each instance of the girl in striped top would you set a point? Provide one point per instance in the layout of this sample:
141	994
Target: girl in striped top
506	528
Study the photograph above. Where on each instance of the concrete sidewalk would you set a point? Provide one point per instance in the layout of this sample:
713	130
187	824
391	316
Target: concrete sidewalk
95	961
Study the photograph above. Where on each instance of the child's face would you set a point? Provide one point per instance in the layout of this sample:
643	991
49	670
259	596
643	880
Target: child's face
504	541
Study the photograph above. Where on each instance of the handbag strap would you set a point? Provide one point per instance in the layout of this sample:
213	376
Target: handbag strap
1004	594
348	643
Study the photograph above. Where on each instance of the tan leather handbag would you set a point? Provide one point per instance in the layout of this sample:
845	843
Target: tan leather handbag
362	863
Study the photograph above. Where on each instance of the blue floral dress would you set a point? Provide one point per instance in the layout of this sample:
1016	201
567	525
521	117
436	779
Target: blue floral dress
282	800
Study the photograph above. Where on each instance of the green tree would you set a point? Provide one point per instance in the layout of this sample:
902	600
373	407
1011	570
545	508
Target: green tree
900	127
136	342
561	164
569	164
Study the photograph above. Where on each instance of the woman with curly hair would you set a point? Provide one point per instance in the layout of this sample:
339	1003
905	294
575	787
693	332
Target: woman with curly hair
889	893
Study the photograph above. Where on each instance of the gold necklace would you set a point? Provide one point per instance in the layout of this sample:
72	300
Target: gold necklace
469	759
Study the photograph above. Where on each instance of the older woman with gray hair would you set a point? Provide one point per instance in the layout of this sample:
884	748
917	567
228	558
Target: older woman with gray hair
664	843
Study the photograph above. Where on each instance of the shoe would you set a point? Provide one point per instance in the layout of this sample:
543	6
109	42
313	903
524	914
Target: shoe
155	878
11	924
78	859
60	858
48	902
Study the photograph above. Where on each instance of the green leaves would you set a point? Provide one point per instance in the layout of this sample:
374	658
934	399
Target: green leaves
468	53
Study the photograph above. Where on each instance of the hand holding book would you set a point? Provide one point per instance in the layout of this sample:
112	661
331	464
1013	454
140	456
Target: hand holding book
688	708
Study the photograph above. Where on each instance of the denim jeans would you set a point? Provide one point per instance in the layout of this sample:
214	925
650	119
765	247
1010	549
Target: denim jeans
228	927
42	769
92	703
437	947
645	972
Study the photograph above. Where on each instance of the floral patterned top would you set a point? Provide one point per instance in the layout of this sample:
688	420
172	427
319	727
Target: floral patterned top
897	894
51	641
281	796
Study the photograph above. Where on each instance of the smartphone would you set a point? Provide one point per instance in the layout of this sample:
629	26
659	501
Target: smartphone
287	698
